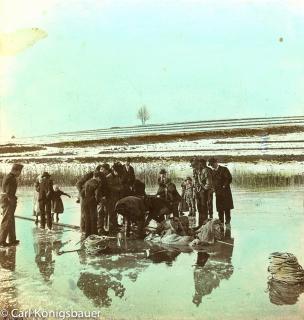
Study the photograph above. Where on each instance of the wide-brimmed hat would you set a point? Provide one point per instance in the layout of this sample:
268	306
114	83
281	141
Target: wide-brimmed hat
45	175
105	166
162	171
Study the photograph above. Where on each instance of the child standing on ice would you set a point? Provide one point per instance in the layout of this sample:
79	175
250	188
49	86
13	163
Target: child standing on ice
57	204
188	196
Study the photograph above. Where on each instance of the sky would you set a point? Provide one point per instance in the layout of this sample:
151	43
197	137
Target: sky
95	62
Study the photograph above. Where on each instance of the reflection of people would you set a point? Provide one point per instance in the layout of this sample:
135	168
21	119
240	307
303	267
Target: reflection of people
97	286
44	259
207	275
8	290
9	204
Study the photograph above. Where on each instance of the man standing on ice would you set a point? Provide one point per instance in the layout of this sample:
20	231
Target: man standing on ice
80	187
222	179
202	185
9	204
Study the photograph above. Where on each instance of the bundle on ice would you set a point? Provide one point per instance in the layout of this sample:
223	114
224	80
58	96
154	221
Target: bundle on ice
96	244
284	267
171	231
287	279
208	233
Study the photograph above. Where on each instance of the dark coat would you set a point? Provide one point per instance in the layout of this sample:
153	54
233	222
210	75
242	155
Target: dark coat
133	208
45	189
95	190
221	180
157	208
168	192
128	176
81	182
57	204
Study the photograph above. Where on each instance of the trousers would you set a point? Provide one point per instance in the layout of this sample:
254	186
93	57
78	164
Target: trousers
45	207
7	227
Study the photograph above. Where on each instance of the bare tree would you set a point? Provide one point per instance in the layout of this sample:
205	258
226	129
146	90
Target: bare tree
143	114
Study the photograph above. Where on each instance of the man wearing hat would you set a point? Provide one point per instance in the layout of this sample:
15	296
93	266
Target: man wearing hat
128	176
94	191
202	185
45	194
9	204
162	184
80	185
222	179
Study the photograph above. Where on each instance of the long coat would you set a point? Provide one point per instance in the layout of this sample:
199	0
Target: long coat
57	204
221	180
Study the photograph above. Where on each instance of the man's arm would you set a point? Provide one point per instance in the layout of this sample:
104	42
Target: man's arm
7	185
207	177
227	177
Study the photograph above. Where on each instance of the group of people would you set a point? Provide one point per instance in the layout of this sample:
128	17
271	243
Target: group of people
47	201
99	192
198	191
109	191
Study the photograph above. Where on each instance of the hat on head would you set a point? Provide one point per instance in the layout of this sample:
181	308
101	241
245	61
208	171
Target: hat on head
162	171
194	162
17	167
212	161
98	167
189	178
45	175
128	159
105	166
202	161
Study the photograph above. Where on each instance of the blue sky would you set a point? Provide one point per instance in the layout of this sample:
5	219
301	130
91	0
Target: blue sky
185	60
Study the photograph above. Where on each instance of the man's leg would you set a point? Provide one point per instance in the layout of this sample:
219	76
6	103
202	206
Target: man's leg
48	209
227	216
221	216
12	227
42	214
175	209
93	216
87	217
5	223
210	204
203	214
82	215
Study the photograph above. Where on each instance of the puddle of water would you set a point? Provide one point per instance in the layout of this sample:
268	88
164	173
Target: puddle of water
229	282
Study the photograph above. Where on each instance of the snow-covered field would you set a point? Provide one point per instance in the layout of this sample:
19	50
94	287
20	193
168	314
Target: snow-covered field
243	152
287	144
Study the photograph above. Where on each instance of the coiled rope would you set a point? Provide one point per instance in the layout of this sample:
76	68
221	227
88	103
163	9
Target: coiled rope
96	244
284	267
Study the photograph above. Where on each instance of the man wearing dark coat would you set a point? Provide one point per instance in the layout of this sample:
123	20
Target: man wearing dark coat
168	192
128	176
133	210
80	185
95	190
202	185
222	179
45	195
9	203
